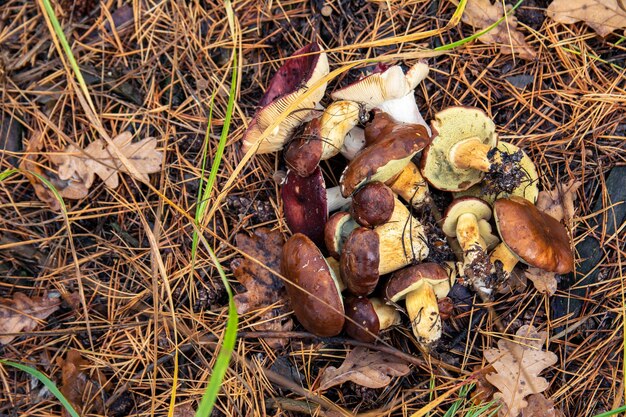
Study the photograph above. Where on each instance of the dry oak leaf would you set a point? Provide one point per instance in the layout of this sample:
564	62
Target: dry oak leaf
540	406
544	281
559	201
366	368
77	386
100	159
23	314
481	14
603	16
518	365
263	288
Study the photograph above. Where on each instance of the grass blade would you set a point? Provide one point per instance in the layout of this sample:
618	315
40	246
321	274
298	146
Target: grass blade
46	381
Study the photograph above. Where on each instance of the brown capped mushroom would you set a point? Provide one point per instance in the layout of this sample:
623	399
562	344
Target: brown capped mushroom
312	287
360	261
367	317
422	285
529	235
373	204
299	73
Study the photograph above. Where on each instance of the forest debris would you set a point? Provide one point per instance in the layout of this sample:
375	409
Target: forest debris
481	14
484	390
544	281
366	368
77	386
100	159
540	406
559	201
518	365
603	16
23	313
263	288
34	171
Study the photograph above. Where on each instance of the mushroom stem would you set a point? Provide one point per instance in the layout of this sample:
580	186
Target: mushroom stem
387	315
334	199
353	143
402	240
404	109
503	254
471	153
468	235
410	186
423	311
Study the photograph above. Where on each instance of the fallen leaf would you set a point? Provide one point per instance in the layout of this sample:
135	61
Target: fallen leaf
518	365
559	201
366	368
32	169
540	406
483	392
100	159
77	386
263	288
603	16
544	281
481	14
23	314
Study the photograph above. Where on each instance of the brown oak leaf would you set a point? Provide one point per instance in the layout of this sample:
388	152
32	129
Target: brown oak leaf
540	406
100	159
23	314
481	14
559	201
518	365
81	390
544	281
603	16
263	288
366	368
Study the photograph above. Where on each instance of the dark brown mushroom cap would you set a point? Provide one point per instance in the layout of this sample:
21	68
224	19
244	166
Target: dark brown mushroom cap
383	160
337	229
364	324
359	261
314	293
383	125
304	152
406	280
372	205
536	238
305	204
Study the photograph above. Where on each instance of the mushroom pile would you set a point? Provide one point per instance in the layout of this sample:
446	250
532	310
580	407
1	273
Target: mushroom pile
349	271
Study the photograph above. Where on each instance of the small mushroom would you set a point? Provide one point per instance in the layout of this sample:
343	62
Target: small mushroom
323	137
422	285
305	68
367	317
337	229
458	154
530	236
461	220
360	261
373	204
312	287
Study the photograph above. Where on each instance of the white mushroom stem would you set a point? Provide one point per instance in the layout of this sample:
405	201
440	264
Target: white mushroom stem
468	235
471	153
353	143
422	308
503	254
336	121
491	240
334	199
387	315
404	109
401	240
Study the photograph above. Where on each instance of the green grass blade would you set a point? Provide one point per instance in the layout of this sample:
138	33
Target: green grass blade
230	334
612	412
44	379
